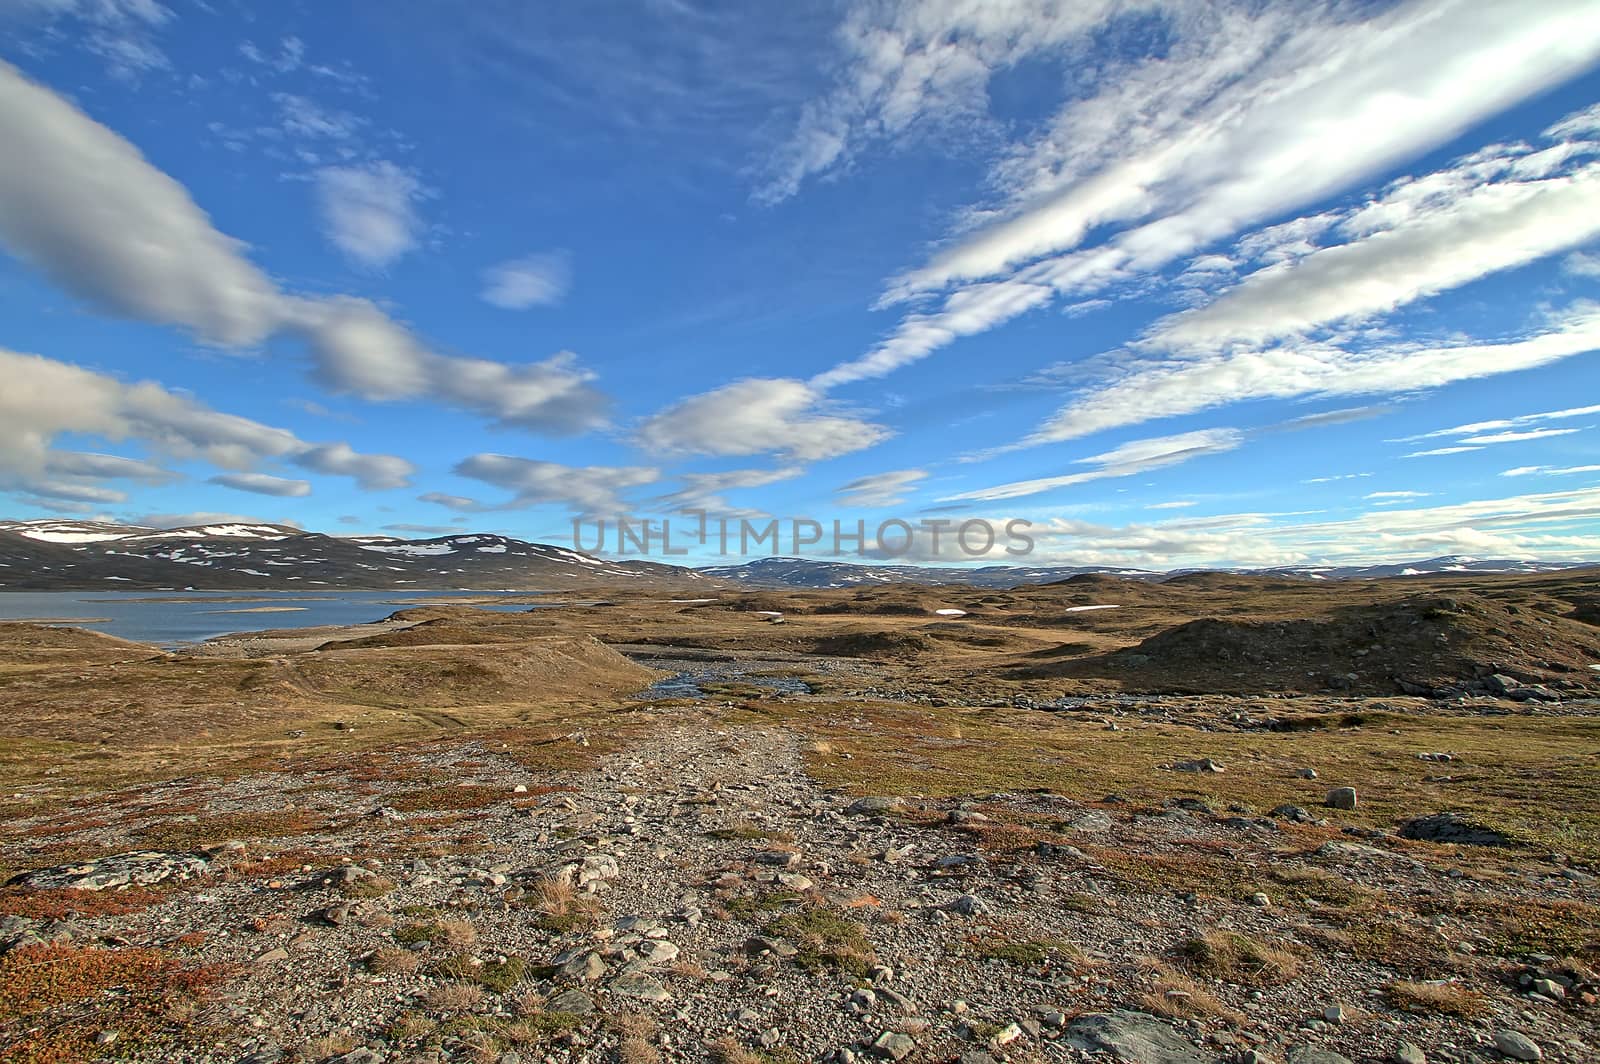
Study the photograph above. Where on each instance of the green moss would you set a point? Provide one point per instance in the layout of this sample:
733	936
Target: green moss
825	940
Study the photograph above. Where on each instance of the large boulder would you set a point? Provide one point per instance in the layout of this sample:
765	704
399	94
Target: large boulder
138	868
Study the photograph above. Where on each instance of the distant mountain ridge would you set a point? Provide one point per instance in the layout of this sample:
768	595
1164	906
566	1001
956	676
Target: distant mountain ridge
59	554
89	555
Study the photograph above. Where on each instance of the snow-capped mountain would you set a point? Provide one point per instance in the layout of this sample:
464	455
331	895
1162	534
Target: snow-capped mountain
804	572
56	554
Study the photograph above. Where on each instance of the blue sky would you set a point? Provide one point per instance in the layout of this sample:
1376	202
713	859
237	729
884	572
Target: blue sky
1182	282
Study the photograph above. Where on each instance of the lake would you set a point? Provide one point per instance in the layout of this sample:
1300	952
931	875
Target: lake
169	618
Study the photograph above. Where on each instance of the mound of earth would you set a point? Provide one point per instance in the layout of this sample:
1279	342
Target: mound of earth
26	643
1422	644
877	607
875	645
445	630
548	668
760	602
1214	581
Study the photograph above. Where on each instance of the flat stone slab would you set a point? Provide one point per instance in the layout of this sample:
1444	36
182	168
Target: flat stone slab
1134	1038
139	868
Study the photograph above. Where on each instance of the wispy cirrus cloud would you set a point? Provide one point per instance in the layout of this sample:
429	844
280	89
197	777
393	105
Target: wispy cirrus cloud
1134	457
881	489
1550	471
1178	152
1480	434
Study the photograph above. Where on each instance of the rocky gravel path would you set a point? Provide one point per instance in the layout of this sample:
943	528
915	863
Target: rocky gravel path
699	896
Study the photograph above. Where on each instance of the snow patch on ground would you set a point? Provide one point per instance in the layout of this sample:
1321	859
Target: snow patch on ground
1086	609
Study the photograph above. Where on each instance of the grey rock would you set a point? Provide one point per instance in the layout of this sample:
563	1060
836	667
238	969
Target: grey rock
875	806
1089	822
967	905
574	1001
138	868
1451	828
336	915
781	858
1294	814
267	1054
1343	798
1204	764
1406	1053
1517	1046
1132	1037
641	986
893	1045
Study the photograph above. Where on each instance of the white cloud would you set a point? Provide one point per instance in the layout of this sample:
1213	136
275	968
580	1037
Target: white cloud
369	211
207	517
1334	477
783	417
374	472
1515	437
597	490
1176	504
1485	229
301	116
1549	525
912	65
1133	457
83	207
105	466
1397	495
1246	116
1478	427
703	491
974	309
1582	264
263	484
122	33
44	399
881	489
1435	452
531	281
1145	389
1550	471
360	349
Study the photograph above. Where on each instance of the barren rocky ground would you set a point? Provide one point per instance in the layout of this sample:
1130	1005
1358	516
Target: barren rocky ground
786	857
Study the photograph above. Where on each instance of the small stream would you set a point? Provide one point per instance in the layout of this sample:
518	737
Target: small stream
690	678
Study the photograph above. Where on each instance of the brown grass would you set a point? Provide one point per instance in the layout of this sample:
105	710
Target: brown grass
635	1031
1237	958
390	960
454	997
1445	999
727	1051
1175	996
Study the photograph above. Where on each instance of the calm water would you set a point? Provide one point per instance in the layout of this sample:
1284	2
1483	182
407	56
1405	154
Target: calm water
190	616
